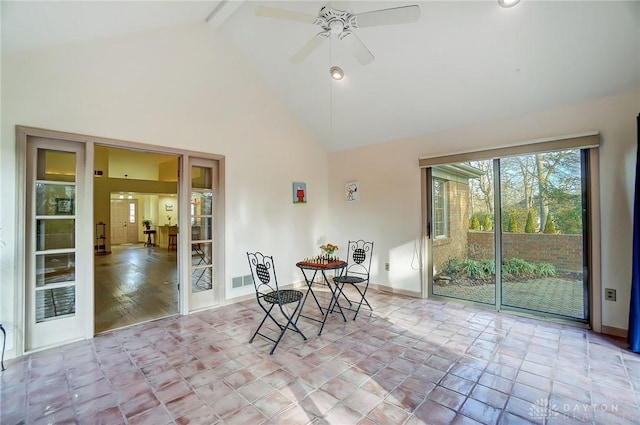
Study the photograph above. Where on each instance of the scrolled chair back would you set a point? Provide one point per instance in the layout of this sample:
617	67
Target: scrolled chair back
359	257
263	272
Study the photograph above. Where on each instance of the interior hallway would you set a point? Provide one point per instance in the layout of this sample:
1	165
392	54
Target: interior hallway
134	284
411	361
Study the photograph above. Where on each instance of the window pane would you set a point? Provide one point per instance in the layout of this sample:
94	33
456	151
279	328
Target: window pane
56	166
201	279
439	208
542	243
55	199
201	229
201	253
464	261
201	178
132	212
55	268
201	203
55	234
55	302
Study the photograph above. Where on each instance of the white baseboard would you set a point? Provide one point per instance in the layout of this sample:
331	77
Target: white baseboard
414	294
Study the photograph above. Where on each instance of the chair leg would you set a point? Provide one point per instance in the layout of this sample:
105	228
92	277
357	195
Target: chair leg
339	288
284	328
263	320
362	299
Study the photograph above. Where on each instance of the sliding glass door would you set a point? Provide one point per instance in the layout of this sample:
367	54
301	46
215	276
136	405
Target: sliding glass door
543	208
463	234
510	232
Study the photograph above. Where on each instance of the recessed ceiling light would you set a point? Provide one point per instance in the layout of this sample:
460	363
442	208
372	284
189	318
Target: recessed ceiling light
336	73
508	3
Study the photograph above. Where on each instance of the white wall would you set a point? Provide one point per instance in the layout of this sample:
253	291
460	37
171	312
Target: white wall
185	88
390	211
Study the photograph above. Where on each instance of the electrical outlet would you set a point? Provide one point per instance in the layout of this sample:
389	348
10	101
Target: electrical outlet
386	266
609	294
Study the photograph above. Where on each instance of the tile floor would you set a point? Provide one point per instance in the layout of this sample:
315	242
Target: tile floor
409	362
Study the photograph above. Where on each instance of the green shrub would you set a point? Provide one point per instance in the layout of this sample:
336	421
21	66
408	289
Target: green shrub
549	227
544	270
489	266
518	267
486	224
473	269
529	227
486	268
475	223
513	224
450	267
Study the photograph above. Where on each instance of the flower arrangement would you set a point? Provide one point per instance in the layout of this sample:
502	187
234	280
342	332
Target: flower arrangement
329	249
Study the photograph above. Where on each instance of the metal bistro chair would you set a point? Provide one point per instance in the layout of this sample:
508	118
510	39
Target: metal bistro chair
356	273
269	295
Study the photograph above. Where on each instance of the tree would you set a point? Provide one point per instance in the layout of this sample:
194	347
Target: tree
529	227
481	189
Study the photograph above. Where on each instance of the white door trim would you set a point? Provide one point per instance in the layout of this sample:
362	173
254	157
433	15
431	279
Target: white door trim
86	224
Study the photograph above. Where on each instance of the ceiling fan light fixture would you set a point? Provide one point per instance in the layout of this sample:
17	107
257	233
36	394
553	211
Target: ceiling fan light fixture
336	73
508	3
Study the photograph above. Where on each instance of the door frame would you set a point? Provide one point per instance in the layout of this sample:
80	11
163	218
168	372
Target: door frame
86	225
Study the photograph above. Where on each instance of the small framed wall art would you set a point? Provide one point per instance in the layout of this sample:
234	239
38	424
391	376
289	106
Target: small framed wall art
299	193
352	192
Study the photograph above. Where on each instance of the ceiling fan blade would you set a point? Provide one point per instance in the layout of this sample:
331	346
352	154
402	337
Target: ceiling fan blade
357	48
308	48
396	15
289	15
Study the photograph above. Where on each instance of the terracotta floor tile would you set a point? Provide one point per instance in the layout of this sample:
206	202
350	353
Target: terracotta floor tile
246	415
184	404
410	360
433	413
479	411
157	415
447	397
339	388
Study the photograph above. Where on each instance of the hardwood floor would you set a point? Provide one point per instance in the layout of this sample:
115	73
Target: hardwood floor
134	284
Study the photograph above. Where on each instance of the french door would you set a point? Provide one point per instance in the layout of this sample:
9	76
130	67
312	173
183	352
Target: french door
56	272
511	232
204	291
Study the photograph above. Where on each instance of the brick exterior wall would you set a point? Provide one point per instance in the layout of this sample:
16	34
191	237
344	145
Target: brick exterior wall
563	251
457	209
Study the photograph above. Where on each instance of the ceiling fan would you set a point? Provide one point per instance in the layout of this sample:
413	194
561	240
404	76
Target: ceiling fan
342	23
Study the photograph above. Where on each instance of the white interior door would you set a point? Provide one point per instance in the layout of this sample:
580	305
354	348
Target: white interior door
56	278
204	290
124	227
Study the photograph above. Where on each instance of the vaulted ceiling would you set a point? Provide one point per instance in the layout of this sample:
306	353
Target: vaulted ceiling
460	64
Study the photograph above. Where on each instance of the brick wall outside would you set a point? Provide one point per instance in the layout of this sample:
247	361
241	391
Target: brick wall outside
457	207
563	251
